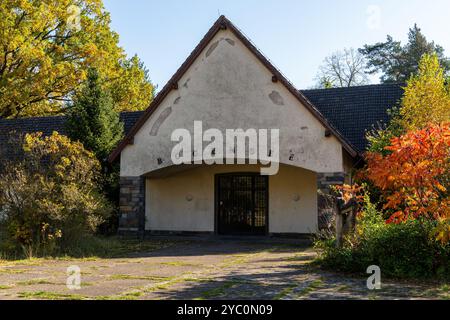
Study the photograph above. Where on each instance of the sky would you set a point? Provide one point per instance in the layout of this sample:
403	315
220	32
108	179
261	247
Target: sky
295	35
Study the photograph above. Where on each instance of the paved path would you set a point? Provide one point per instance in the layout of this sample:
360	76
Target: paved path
213	269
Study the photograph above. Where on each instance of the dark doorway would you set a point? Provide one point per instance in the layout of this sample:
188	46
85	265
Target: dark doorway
242	204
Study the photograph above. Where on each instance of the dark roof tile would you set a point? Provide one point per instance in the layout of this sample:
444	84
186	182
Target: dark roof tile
353	111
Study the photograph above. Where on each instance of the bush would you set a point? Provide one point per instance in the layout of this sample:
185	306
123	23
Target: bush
403	250
50	198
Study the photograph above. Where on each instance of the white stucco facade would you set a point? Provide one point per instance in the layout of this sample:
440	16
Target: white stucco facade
227	87
186	201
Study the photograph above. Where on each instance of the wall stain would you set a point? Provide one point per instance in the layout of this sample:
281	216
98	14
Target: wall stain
212	48
162	117
186	83
276	98
177	100
215	44
230	41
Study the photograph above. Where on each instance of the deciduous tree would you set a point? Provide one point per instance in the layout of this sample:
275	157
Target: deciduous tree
415	176
46	48
426	98
342	69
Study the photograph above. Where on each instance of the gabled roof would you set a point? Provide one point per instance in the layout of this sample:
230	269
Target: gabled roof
222	24
355	110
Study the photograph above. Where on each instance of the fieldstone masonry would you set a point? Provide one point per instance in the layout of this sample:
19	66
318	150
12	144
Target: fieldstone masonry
132	205
326	204
325	180
132	202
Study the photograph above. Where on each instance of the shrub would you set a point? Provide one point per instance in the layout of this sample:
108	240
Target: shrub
403	250
414	178
51	198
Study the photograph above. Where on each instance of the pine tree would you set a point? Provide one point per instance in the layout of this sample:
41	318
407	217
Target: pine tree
397	62
92	119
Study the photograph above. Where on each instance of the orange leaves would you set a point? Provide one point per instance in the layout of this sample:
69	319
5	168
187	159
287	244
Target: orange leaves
351	192
415	176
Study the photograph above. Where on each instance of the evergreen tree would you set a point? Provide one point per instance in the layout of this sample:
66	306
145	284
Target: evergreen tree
92	119
396	62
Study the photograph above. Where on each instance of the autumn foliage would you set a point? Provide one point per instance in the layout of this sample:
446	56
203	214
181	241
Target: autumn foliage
415	176
51	198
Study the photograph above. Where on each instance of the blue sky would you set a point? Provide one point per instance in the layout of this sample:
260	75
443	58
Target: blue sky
295	35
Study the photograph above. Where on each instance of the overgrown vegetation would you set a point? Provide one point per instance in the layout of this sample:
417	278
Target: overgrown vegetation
50	199
407	231
93	121
404	250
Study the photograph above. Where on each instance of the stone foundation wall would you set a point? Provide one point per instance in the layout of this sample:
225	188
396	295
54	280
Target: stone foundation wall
325	180
132	202
132	205
326	208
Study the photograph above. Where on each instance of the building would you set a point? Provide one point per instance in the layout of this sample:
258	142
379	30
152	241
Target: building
226	83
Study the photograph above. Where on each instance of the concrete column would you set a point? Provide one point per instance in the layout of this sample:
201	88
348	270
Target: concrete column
132	206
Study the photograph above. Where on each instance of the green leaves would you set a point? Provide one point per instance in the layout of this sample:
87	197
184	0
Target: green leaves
92	118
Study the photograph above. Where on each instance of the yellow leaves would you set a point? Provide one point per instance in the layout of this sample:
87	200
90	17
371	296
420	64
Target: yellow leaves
46	62
426	98
442	231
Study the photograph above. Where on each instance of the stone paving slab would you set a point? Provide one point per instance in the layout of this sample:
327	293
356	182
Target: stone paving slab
214	269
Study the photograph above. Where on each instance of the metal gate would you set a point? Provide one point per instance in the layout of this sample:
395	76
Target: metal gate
242	204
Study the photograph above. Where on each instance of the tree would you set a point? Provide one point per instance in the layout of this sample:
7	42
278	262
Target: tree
342	69
51	198
426	98
415	176
92	118
396	62
46	48
132	90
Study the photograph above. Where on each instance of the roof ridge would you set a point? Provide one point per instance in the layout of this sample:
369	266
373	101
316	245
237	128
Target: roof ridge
359	87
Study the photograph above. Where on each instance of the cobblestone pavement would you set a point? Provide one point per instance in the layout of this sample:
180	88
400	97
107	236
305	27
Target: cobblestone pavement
212	269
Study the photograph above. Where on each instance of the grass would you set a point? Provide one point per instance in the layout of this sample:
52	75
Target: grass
131	277
442	292
180	264
218	291
34	282
44	295
313	286
6	287
12	271
91	249
22	262
285	292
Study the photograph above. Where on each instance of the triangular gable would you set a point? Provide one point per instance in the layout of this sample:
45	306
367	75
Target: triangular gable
224	24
